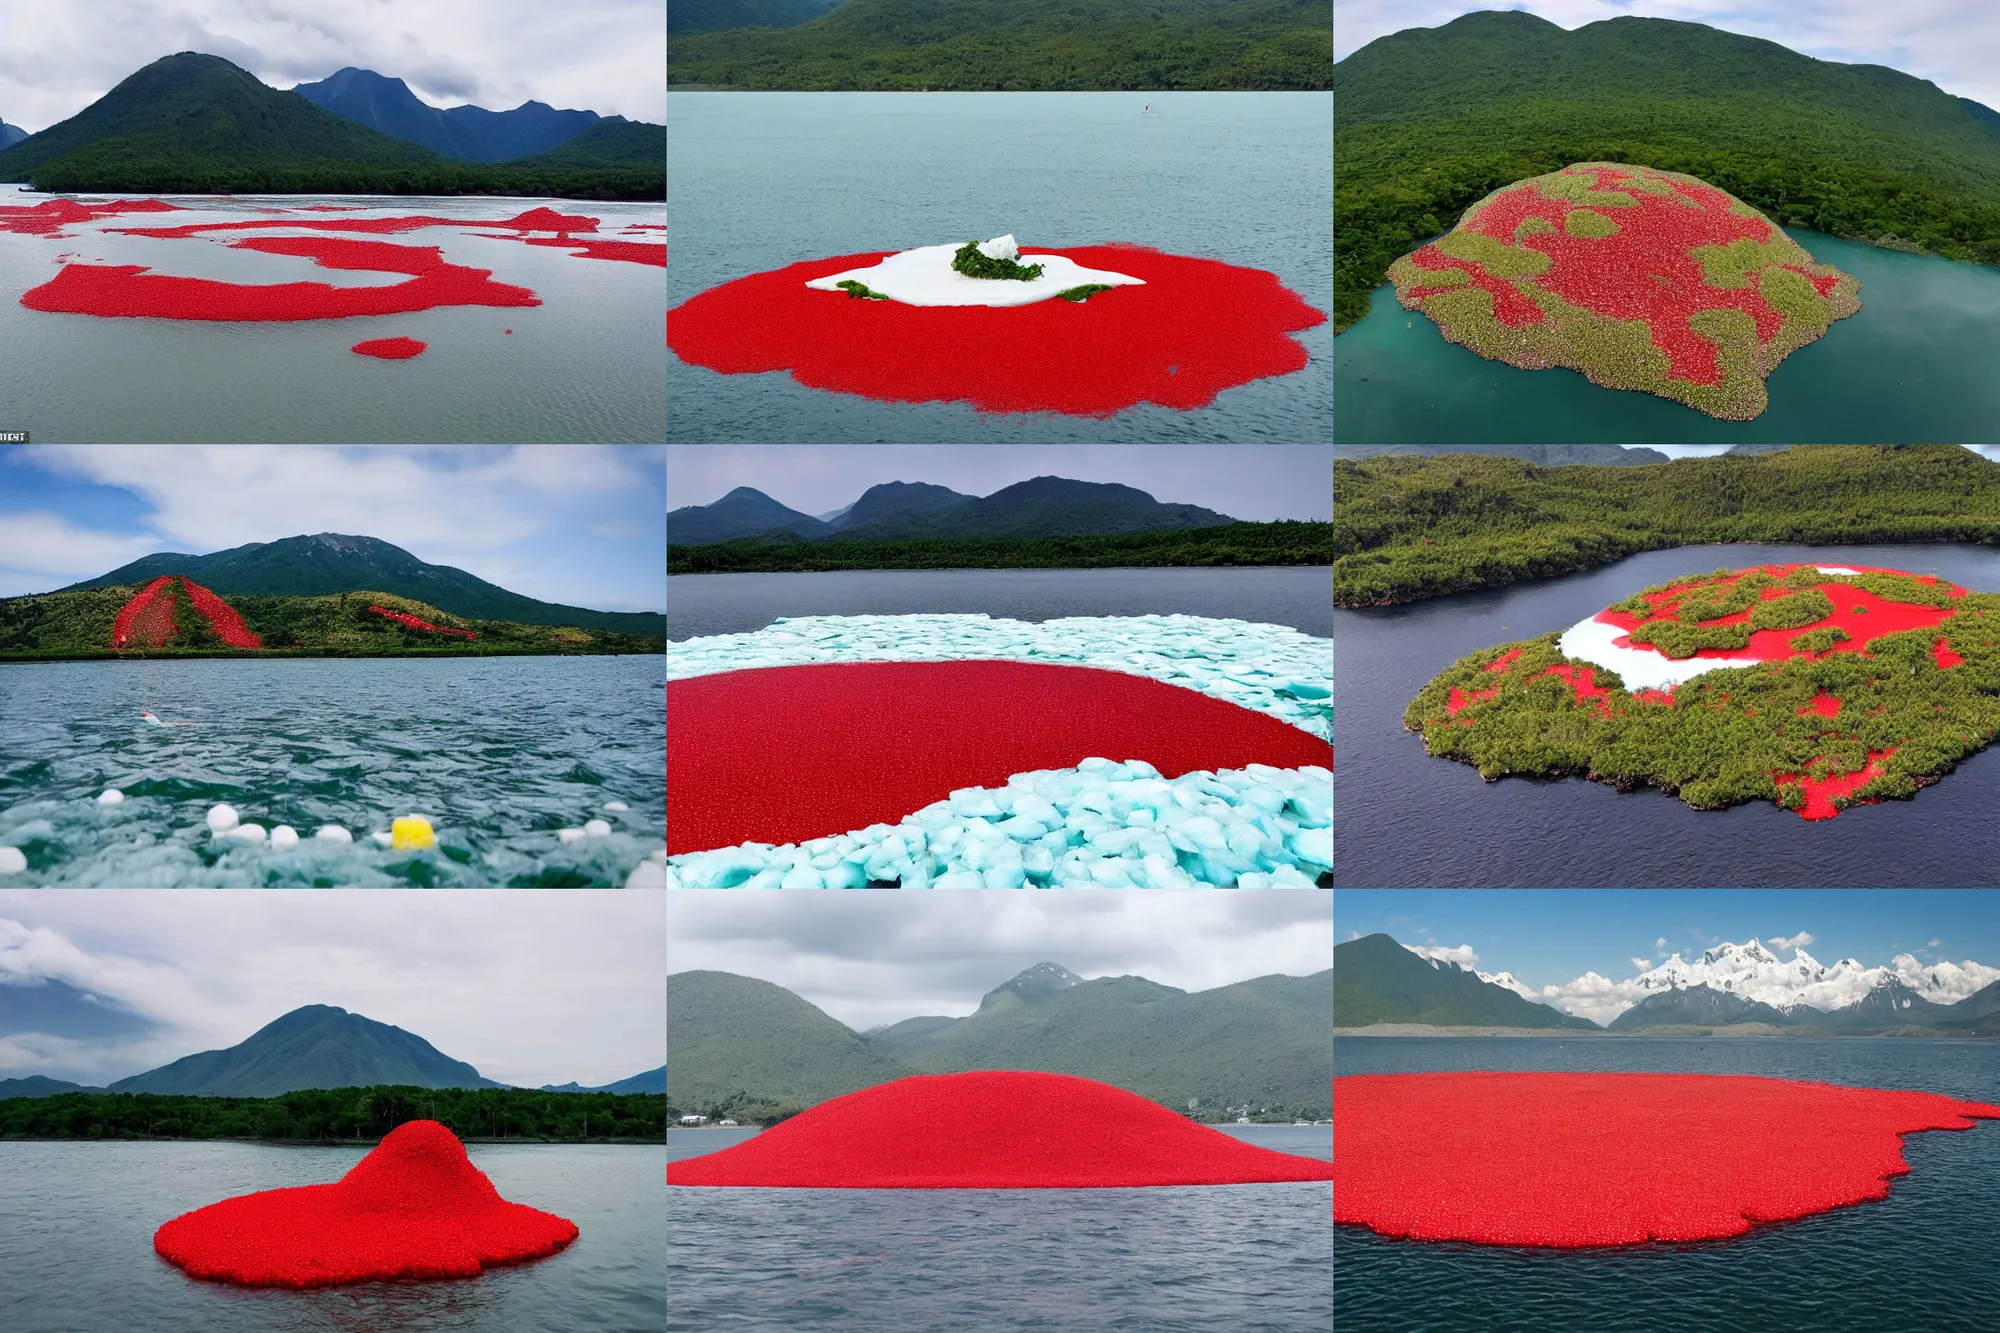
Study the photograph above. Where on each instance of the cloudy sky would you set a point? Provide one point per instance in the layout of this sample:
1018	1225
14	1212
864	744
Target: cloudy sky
529	986
875	958
1562	937
1259	482
580	525
607	56
1953	43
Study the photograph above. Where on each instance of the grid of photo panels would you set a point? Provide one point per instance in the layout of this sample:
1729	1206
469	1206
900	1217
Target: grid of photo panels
1667	605
999	906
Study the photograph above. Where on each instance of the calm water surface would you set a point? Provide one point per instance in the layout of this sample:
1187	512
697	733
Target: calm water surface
498	752
583	366
762	180
1919	1261
1163	1260
1301	596
1916	364
1407	820
76	1243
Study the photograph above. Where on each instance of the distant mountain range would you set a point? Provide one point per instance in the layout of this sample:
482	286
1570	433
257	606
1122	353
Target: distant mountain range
734	1040
1382	981
315	1046
901	510
1549	455
333	562
197	123
11	134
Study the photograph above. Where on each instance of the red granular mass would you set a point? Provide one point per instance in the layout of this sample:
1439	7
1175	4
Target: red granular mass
1505	660
991	1130
1824	704
221	616
415	622
390	349
1198	327
1942	654
1574	1160
1583	684
413	1208
147	621
535	219
630	252
1463	699
784	754
49	217
129	290
1819	792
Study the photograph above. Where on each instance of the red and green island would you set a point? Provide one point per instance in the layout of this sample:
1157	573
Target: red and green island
1818	687
1638	278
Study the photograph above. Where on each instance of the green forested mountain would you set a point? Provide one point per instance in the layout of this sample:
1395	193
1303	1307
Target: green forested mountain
737	1043
1022	45
316	1046
192	123
1406	528
1549	455
684	16
611	142
1433	119
346	1114
1377	980
1280	543
337	562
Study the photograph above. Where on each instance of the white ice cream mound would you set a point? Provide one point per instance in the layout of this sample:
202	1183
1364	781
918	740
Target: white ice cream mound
1647	668
1273	669
1100	824
924	276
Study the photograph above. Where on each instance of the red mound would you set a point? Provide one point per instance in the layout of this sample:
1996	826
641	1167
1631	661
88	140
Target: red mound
221	616
1198	327
147	621
1613	1159
535	219
390	349
415	1207
1819	792
631	252
992	1130
785	754
416	622
49	217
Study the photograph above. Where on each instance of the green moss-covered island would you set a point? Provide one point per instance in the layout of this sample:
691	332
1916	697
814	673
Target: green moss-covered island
1637	278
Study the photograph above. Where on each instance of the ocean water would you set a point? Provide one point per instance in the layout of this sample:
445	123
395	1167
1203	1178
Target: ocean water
585	366
1253	1258
76	1243
497	752
1301	596
1407	820
1919	1260
762	180
1914	365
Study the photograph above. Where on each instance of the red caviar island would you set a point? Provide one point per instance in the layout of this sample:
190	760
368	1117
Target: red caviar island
1817	687
414	1208
1638	278
390	349
221	616
1574	1160
771	754
146	621
414	622
1197	327
992	1130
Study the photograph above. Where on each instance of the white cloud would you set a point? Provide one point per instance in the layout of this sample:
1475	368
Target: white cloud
40	551
1798	941
1641	963
1934	943
1660	944
1463	955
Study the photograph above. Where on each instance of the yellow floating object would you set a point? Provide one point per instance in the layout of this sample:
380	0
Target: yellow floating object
411	833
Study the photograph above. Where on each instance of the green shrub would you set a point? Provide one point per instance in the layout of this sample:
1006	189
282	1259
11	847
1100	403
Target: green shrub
973	264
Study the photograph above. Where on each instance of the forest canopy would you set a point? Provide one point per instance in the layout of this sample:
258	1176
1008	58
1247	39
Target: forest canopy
1280	543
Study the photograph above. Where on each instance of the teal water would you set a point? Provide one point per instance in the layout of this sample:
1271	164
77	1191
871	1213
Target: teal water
76	1243
1916	364
497	752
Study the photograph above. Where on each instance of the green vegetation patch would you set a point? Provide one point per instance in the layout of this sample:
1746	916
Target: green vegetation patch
1085	292
856	288
1281	543
973	264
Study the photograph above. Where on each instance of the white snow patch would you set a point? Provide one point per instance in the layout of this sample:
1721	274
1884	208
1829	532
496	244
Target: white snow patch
1836	569
924	276
1640	668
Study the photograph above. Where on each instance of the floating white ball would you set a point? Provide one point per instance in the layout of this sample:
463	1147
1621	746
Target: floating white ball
284	836
12	860
382	839
619	806
247	832
568	835
221	818
597	828
111	796
333	833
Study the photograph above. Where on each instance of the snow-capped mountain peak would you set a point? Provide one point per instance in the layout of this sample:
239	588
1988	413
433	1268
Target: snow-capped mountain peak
1754	973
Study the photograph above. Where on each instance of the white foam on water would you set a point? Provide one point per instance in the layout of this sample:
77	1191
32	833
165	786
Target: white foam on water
924	276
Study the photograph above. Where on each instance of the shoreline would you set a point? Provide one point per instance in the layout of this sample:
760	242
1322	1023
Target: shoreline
1735	1031
283	654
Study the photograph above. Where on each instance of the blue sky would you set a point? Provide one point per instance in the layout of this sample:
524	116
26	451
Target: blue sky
581	525
1953	43
1547	937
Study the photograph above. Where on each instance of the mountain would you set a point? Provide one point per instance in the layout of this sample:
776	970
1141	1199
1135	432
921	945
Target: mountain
317	1046
38	1085
653	1080
1017	45
1700	1005
193	123
54	1008
333	562
1548	455
1434	119
11	134
684	16
744	512
731	1036
612	142
1377	980
468	133
1892	1001
893	501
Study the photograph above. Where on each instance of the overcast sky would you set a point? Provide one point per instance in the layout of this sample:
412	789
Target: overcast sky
876	958
607	56
1258	482
529	986
580	525
1953	43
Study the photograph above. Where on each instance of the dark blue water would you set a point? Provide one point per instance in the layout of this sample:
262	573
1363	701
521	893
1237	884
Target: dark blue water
1920	1261
1301	597
1914	365
1248	1258
77	1223
1406	820
762	180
